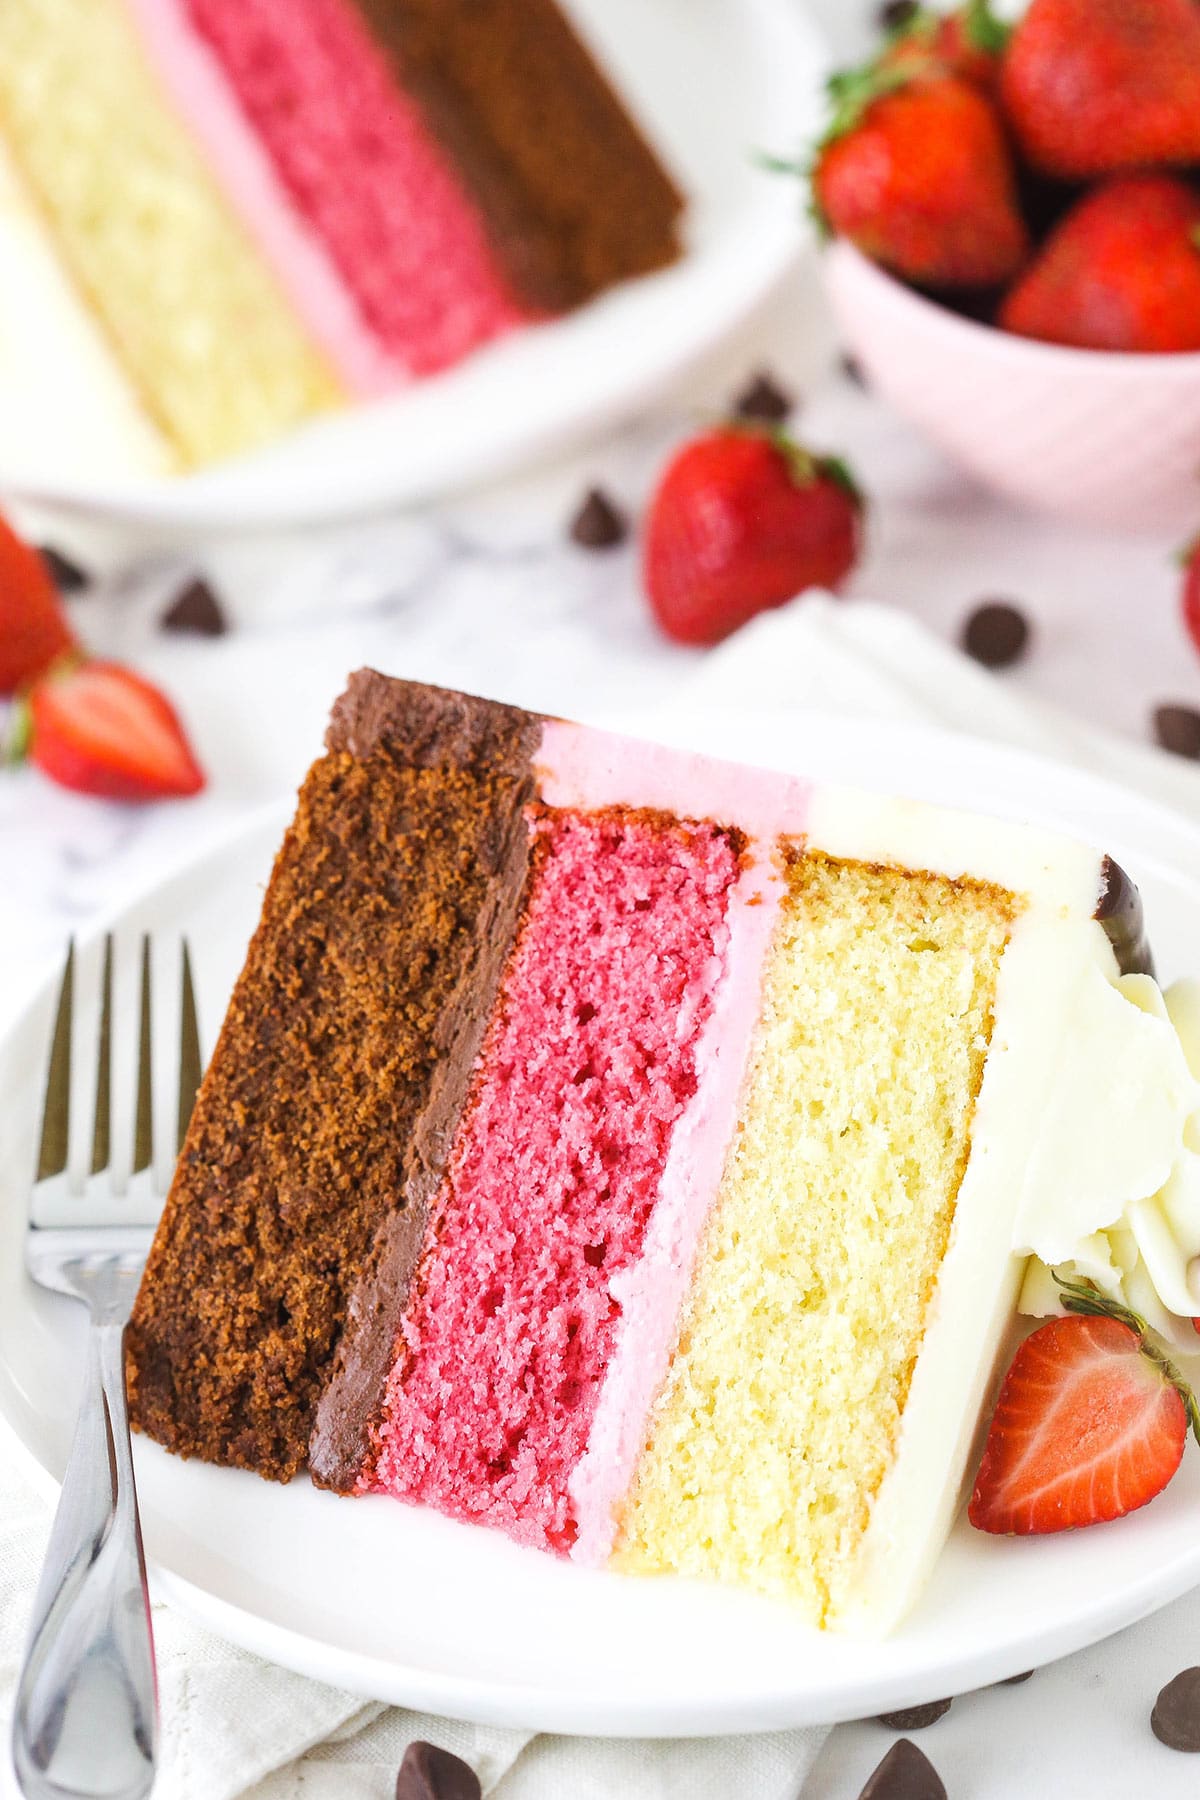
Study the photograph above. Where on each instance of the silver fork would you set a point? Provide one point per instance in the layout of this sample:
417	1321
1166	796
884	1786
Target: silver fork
86	1717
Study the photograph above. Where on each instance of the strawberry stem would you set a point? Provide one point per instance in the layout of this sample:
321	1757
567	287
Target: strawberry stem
17	739
984	30
1086	1299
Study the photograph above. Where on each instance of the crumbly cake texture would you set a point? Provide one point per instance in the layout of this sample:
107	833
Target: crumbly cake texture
272	210
194	314
782	1410
628	1150
366	980
574	197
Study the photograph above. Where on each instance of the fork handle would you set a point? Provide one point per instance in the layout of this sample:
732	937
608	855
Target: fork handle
86	1717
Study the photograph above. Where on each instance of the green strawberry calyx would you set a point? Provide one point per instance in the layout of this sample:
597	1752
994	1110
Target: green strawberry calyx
1085	1299
983	30
806	467
18	736
1189	554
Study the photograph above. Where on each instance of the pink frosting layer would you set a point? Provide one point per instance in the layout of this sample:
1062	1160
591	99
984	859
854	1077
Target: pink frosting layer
192	77
590	769
353	154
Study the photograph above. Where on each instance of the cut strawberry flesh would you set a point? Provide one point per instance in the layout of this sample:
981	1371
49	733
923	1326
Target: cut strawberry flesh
102	730
1087	1428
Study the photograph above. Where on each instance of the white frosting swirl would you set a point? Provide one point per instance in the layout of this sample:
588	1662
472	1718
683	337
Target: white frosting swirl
1145	1073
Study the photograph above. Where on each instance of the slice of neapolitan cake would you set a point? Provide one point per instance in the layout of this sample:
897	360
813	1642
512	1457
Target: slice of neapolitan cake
631	1150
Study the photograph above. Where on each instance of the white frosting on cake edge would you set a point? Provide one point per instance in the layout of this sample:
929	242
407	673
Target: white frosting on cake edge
66	408
1083	1119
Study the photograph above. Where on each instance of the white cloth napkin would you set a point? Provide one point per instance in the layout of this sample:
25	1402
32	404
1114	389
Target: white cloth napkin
236	1726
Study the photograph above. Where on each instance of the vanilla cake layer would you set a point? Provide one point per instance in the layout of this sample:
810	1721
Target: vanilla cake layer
56	364
782	1410
711	1182
201	327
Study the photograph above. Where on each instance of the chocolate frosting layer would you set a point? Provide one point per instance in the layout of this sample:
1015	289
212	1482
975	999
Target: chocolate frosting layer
429	727
1120	912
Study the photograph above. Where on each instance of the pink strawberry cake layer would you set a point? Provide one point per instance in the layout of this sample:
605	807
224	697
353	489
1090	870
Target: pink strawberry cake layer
195	81
560	1250
336	176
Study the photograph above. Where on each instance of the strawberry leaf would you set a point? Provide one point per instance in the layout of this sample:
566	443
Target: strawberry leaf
984	30
852	91
839	470
1187	556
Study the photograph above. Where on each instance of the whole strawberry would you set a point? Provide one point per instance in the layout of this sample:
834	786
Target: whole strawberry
968	42
1190	560
33	627
1120	272
743	520
1092	87
100	729
916	171
1091	1423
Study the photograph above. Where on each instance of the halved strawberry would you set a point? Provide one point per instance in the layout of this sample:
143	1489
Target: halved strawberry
100	729
33	627
1090	1424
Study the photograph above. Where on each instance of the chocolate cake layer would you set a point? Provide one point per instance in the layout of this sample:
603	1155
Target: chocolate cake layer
389	911
573	197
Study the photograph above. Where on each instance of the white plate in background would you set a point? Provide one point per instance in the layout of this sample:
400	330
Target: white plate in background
713	82
402	1605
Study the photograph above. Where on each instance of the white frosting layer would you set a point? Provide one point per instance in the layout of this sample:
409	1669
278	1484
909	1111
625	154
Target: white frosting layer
66	408
1124	1205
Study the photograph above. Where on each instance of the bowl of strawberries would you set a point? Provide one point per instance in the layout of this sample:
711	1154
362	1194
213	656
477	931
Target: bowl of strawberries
1014	257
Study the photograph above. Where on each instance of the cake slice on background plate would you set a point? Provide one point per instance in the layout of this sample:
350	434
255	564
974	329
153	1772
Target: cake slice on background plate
638	1153
272	211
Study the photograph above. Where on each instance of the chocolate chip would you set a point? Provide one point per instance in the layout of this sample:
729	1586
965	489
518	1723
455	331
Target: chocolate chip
1120	912
895	14
764	401
428	1773
1175	1720
905	1773
916	1718
1015	1680
195	609
996	634
852	369
66	574
598	524
1177	729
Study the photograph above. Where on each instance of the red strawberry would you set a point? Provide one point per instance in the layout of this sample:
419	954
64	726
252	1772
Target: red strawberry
1096	86
915	170
1090	1424
969	42
1120	272
1191	618
33	626
743	520
101	729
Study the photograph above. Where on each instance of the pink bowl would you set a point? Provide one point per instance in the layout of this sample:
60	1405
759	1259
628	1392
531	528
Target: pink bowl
1100	438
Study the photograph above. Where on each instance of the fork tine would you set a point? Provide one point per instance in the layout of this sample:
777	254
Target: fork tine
56	1112
101	1125
189	1051
143	1131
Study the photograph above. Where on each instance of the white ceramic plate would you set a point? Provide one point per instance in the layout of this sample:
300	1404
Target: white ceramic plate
714	81
405	1606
